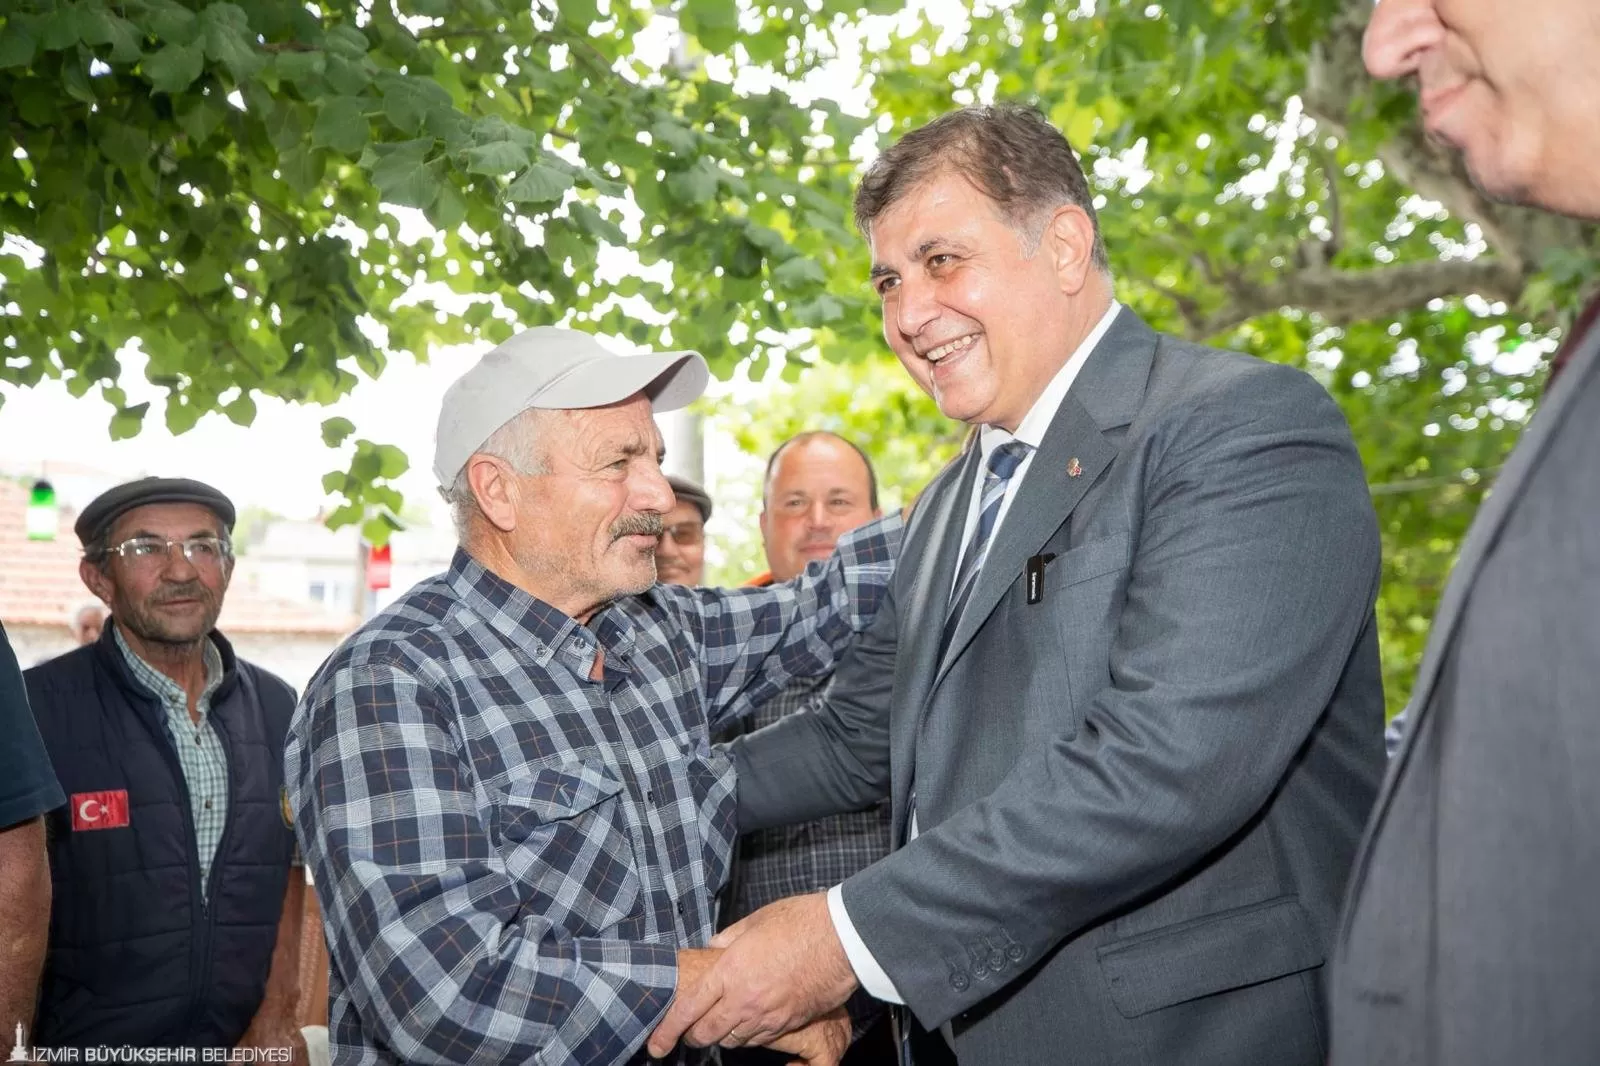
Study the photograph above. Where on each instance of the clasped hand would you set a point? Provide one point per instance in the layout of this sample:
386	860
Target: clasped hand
779	978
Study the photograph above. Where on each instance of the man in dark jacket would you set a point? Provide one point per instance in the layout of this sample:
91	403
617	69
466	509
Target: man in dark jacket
175	917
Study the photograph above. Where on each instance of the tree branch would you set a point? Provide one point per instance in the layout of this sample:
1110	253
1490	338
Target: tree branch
1344	296
1337	90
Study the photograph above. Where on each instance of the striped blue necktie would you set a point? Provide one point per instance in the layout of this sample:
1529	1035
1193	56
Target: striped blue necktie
1003	463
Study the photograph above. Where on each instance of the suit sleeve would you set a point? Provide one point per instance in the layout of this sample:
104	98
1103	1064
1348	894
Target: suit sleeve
830	759
1255	570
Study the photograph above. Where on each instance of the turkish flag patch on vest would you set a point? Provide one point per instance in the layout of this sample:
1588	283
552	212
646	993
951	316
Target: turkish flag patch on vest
100	810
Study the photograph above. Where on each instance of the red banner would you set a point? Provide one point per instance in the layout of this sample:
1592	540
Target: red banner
378	567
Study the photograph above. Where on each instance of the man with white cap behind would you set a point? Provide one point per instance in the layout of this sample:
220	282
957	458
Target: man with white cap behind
504	783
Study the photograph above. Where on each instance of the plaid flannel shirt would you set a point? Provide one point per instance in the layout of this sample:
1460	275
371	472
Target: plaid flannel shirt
508	854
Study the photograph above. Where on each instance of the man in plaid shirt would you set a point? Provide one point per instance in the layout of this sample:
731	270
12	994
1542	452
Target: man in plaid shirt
504	783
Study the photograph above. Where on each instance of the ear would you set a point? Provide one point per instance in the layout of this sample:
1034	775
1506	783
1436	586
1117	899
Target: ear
95	580
1069	239
763	524
495	490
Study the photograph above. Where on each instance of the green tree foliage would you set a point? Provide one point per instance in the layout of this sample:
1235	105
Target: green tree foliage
213	181
209	178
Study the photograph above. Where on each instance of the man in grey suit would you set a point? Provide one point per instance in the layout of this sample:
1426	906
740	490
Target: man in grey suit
1124	692
1471	933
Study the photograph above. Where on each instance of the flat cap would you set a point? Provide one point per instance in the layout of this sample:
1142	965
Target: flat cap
688	492
111	504
553	368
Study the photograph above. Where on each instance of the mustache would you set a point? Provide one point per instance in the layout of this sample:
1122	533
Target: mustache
646	525
189	590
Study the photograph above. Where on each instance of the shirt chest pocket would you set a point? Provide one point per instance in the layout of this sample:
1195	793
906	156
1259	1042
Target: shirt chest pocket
563	838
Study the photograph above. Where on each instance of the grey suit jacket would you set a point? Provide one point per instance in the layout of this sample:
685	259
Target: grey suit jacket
1472	927
1140	796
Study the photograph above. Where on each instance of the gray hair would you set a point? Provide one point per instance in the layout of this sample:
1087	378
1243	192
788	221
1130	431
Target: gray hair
517	442
1011	153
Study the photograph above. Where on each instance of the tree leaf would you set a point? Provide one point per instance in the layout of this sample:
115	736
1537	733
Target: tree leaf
75	80
334	432
799	273
225	30
496	157
407	184
539	184
697	185
242	411
58	30
174	67
675	135
594	223
302	68
347	41
341	125
17	43
450	209
127	421
407	101
126	40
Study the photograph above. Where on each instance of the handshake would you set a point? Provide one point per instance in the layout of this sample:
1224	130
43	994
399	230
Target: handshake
779	979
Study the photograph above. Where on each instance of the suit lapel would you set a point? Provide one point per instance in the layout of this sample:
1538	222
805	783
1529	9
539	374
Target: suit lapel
1074	453
1046	497
946	501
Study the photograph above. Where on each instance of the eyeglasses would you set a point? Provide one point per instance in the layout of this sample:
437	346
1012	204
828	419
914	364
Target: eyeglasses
685	534
149	551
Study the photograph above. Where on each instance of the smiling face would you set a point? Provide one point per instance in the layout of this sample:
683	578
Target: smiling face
819	490
583	533
162	598
981	321
1511	84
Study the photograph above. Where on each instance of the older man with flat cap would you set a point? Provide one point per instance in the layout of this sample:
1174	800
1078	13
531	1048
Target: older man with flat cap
175	914
504	782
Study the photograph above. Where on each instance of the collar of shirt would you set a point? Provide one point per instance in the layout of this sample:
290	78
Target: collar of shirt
1032	428
1036	422
519	616
168	691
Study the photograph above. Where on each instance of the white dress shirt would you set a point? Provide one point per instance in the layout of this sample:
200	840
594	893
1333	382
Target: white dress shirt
1030	431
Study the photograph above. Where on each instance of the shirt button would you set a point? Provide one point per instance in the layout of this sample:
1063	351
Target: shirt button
996	960
959	982
208	805
1014	952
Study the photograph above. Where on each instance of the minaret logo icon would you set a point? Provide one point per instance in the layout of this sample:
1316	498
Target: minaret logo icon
19	1050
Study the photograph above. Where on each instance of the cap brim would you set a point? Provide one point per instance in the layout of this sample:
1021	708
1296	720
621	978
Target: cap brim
671	380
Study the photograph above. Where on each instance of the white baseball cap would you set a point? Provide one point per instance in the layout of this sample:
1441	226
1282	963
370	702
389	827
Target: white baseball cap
553	368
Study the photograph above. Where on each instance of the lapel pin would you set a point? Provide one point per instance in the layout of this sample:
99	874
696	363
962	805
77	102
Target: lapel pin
1074	468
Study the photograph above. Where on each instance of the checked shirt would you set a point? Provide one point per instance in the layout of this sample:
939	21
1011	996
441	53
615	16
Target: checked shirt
508	854
199	749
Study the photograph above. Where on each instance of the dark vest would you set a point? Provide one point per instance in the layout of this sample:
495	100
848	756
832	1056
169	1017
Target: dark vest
137	956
